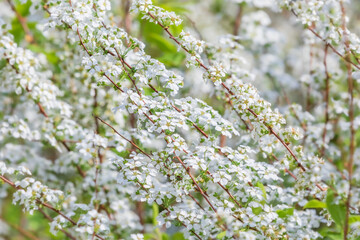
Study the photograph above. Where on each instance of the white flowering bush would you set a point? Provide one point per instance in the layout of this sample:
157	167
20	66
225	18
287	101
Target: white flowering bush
141	119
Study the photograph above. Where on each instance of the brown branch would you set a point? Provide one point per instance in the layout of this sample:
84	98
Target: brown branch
232	93
44	204
187	169
245	123
23	22
82	43
281	140
97	163
22	231
166	29
51	219
308	87
238	17
350	162
331	46
123	137
335	51
127	73
196	201
123	62
205	196
42	111
227	191
80	171
41	108
326	100
222	140
293	175
126	21
167	209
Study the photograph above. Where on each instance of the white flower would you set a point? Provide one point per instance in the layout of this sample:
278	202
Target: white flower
137	236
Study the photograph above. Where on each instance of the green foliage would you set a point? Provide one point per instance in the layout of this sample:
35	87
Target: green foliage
178	236
174	5
23	9
257	210
217	6
17	30
158	45
315	204
155	209
261	186
284	213
336	210
354	218
50	56
221	235
35	223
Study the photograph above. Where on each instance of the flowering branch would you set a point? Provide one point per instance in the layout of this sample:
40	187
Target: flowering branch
40	203
350	162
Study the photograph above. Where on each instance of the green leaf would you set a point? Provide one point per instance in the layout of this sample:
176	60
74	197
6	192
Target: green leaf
172	59
50	56
354	218
221	235
261	186
178	236
23	9
149	236
284	213
217	6
2	63
175	6
335	236
148	91
164	236
162	43
155	209
337	211
315	204
257	210
121	154
17	31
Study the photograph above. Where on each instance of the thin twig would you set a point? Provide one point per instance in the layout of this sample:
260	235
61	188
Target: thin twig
326	100
166	29
238	17
51	219
47	205
22	231
331	46
126	139
350	162
23	22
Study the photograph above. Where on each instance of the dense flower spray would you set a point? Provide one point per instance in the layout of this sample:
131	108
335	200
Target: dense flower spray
108	140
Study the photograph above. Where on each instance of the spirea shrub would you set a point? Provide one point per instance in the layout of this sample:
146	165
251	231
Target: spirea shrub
143	119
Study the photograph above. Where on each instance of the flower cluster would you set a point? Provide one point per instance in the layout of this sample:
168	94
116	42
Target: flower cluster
155	14
32	192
